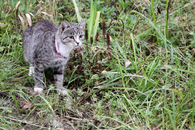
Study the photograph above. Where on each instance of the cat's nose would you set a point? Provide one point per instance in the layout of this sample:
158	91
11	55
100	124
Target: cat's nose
77	43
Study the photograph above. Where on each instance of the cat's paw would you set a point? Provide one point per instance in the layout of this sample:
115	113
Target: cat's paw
68	103
63	92
38	90
68	100
31	71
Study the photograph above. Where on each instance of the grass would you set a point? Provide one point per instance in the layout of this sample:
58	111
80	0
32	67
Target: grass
139	74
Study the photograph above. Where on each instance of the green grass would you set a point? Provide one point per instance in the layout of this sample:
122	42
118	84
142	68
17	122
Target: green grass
144	79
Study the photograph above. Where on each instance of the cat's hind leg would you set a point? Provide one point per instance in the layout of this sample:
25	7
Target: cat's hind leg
31	70
37	89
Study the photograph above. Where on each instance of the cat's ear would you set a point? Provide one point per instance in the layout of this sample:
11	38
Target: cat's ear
64	25
82	23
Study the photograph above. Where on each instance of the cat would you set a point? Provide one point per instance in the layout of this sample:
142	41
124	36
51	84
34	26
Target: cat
46	45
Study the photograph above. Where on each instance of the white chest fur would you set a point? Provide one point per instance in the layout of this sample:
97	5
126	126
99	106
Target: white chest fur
64	49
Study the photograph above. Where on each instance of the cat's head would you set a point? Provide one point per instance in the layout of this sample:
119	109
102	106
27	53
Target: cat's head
72	34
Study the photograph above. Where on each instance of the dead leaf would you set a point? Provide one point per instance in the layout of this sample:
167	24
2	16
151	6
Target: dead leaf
22	21
27	105
29	19
104	71
110	39
47	14
32	15
127	63
12	10
17	5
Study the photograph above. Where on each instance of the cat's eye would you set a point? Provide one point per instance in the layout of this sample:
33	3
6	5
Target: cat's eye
71	37
80	36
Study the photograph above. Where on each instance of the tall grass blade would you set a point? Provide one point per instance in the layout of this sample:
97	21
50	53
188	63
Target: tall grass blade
167	16
192	92
92	18
96	25
79	18
154	18
134	51
120	69
90	23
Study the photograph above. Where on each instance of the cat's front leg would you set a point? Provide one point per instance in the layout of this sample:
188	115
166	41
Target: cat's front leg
59	77
38	78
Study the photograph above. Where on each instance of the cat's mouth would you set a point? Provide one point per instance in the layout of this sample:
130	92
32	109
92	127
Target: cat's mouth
77	45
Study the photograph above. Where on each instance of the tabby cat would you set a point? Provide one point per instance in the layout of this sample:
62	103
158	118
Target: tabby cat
48	46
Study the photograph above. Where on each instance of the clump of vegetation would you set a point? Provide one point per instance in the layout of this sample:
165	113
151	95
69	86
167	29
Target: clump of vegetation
135	70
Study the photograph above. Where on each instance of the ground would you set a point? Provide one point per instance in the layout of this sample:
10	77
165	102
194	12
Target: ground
135	70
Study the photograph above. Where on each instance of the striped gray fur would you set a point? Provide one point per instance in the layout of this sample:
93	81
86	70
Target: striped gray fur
40	51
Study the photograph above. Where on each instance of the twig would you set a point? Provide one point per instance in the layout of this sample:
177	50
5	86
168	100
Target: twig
104	30
138	76
128	75
122	23
5	108
78	119
110	23
22	121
